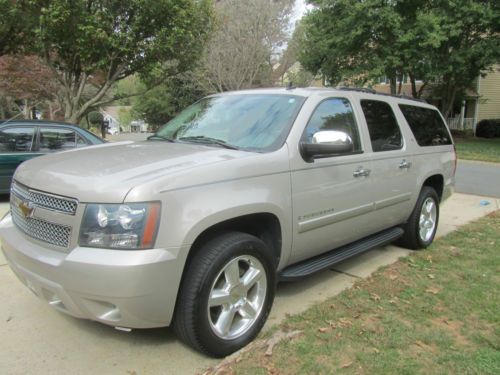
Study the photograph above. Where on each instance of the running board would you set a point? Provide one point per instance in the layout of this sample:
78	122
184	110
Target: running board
326	260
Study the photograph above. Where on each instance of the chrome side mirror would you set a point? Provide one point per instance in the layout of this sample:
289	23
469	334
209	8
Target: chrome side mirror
326	143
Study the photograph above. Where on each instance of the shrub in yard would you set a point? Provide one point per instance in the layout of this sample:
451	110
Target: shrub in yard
488	128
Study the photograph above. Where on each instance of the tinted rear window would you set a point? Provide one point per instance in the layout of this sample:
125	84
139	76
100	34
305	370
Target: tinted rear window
382	125
427	125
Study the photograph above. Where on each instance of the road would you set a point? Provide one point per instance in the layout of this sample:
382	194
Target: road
478	178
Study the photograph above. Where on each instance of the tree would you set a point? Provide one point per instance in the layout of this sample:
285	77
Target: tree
98	43
16	23
239	54
437	41
164	101
26	79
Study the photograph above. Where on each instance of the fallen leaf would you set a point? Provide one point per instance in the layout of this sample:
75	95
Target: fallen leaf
348	364
280	336
331	324
432	290
420	343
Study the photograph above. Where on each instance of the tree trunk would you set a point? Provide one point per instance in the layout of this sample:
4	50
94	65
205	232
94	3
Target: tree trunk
414	92
393	85
26	109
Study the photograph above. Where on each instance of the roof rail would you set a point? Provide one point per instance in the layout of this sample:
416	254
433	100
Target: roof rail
372	91
359	89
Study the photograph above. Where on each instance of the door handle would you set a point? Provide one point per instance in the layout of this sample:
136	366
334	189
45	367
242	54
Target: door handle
361	172
404	164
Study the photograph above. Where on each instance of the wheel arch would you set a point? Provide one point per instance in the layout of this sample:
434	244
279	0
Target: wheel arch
436	182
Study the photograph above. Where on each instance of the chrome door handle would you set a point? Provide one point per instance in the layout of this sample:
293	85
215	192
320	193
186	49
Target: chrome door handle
361	172
404	164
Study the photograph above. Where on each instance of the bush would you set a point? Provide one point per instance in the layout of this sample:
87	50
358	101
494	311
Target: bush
488	128
95	118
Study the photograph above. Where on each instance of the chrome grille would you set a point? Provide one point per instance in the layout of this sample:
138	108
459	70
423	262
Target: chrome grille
48	201
42	230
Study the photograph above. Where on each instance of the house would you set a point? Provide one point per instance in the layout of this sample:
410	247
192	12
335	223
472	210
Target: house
111	116
481	102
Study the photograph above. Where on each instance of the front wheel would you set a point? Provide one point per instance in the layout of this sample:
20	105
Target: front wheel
226	294
422	224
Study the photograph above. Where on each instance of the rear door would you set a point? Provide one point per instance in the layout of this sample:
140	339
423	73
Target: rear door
393	174
17	144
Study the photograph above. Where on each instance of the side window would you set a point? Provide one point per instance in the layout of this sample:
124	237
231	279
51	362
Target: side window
80	142
52	139
382	125
334	114
426	125
17	139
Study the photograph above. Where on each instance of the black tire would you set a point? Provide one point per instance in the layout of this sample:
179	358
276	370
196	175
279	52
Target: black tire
412	238
193	321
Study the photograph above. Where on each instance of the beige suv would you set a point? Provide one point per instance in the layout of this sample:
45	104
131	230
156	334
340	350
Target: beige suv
194	227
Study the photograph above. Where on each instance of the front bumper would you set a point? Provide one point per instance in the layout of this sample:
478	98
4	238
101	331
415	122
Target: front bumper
133	289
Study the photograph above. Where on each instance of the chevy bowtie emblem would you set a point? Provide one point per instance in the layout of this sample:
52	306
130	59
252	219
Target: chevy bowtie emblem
27	209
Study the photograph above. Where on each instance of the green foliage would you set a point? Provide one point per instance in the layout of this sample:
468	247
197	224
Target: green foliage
95	118
433	312
448	42
16	23
94	44
163	102
125	117
478	149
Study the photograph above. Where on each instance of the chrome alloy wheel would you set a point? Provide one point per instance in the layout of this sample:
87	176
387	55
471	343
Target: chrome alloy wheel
237	297
427	222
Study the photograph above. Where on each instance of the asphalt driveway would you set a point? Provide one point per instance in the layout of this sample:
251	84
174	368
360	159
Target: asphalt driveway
35	339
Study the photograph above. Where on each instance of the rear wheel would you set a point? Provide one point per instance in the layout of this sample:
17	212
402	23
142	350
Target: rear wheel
422	224
226	294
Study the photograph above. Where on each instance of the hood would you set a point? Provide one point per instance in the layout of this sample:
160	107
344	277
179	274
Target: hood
106	173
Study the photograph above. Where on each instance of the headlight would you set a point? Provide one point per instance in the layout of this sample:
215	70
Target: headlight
120	226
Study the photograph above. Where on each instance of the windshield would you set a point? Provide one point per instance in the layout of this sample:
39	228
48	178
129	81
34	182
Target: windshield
252	122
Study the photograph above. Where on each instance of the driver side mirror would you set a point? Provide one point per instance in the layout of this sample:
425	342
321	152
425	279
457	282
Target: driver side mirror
326	143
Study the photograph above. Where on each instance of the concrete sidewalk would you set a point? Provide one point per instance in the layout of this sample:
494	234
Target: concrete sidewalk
36	339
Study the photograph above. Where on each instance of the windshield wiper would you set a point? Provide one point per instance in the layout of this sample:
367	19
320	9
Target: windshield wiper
157	136
208	140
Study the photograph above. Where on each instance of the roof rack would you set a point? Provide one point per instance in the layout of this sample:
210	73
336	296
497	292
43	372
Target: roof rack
372	91
359	89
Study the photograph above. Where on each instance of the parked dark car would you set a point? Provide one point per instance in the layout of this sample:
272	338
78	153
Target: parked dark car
21	140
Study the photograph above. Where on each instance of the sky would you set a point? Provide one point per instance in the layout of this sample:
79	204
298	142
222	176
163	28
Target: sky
300	9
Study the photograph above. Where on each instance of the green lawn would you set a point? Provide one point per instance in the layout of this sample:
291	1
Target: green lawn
434	312
481	149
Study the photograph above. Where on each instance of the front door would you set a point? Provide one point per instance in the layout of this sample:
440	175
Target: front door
331	195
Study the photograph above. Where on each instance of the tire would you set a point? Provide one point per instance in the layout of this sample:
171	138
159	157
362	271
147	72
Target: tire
239	310
421	226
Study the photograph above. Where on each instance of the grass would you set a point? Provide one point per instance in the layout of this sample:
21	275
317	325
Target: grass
434	312
480	149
